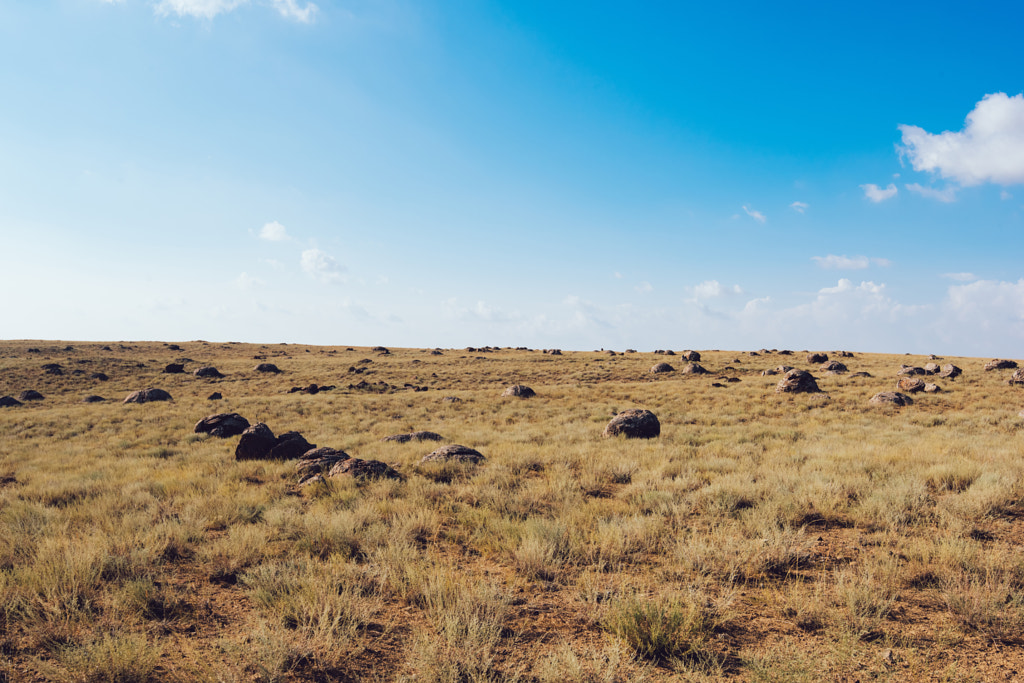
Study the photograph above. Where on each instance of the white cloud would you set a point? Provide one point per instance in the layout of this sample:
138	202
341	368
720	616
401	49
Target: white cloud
712	289
289	9
990	148
877	194
799	207
945	195
200	9
959	277
987	306
208	9
321	266
274	232
617	275
246	282
849	263
756	215
1004	195
644	287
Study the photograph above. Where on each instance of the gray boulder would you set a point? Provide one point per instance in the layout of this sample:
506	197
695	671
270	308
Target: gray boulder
634	424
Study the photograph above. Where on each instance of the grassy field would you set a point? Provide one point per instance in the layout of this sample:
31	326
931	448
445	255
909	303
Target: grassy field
761	537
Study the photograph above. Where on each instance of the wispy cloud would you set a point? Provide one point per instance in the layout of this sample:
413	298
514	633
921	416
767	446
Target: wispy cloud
959	277
799	207
644	287
322	266
246	281
835	262
946	195
756	215
989	149
711	289
877	194
208	9
274	232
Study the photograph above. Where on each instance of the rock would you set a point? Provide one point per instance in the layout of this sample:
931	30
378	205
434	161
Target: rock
30	395
520	390
815	358
99	376
634	424
379	349
222	425
694	369
148	396
998	364
767	373
318	461
174	368
692	356
436	352
783	369
844	354
891	398
289	446
267	367
173	347
454	453
931	368
53	369
733	380
9	402
413	436
834	366
255	443
911	370
910	384
93	399
718	385
753	353
451	399
951	371
1017	377
797	381
662	367
785	352
860	374
207	371
215	396
932	388
364	469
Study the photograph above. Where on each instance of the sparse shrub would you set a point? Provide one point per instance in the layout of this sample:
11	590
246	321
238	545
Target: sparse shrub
658	629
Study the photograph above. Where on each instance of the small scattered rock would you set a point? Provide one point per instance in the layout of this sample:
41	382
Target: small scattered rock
364	469
454	453
215	396
255	443
520	390
891	398
950	371
998	364
289	446
911	370
910	384
634	424
267	367
174	368
9	402
768	373
694	369
797	381
413	436
93	399
932	368
207	371
860	374
222	425
318	461
816	358
99	376
834	366
451	399
662	367
148	396
30	395
692	356
932	388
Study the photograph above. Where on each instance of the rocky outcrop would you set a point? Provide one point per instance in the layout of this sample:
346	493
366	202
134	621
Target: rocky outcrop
454	453
222	425
998	364
891	398
797	381
634	424
148	396
911	385
950	371
413	436
520	391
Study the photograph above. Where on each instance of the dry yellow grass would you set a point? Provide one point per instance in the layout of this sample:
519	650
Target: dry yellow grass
761	537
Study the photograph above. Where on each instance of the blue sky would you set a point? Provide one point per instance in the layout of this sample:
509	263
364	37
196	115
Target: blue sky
579	175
